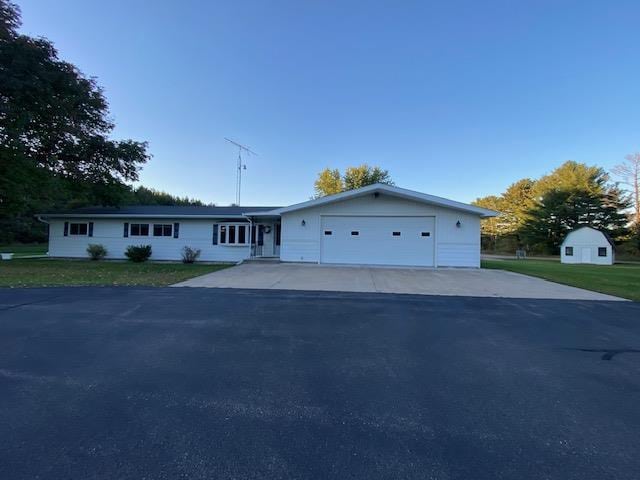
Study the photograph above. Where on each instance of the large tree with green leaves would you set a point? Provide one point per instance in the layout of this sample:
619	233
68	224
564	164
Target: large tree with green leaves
573	195
330	181
55	148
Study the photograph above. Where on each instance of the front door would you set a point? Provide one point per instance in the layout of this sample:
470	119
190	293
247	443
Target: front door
268	236
586	255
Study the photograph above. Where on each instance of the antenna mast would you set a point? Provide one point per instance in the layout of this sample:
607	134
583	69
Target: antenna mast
241	166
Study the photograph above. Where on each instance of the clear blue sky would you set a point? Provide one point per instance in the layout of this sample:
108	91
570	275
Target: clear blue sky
454	98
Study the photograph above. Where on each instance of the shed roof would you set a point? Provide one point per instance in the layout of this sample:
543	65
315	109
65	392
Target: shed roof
604	233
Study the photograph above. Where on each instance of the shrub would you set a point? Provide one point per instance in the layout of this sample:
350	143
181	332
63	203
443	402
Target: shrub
138	253
190	255
96	251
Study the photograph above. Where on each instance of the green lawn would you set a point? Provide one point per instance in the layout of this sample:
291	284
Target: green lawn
22	249
51	272
620	280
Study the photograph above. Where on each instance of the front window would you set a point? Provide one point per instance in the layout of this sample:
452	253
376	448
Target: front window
162	229
78	229
139	230
233	234
602	251
568	251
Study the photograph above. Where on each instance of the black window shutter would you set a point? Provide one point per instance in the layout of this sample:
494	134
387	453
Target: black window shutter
91	229
126	229
176	230
215	234
66	229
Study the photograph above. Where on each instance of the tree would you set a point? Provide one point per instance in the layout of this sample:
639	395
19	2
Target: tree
561	210
363	175
329	182
517	200
150	196
490	228
55	149
629	175
572	175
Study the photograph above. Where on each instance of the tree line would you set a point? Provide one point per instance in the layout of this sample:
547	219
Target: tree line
55	146
537	214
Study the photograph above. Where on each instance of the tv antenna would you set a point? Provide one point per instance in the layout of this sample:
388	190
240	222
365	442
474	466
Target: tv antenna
241	166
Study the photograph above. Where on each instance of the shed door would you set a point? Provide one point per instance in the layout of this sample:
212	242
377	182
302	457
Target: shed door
586	255
377	240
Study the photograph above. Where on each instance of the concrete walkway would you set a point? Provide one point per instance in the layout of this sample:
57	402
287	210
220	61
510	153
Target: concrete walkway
423	281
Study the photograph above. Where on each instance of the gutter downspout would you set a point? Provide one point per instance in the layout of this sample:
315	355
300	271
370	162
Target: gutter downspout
39	218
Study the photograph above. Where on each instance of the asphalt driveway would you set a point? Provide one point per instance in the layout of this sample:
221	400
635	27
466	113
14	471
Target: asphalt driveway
472	282
132	383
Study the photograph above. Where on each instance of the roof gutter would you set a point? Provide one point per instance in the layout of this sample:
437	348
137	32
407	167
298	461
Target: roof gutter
133	215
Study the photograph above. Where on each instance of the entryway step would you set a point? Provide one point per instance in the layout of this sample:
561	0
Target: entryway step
262	260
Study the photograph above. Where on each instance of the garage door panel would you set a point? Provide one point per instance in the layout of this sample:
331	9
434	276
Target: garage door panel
377	240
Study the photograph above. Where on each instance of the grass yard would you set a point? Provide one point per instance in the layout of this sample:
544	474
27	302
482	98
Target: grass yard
24	249
58	273
620	280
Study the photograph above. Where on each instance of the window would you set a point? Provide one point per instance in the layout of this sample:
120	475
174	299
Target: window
162	229
78	228
568	251
355	233
139	229
396	234
328	232
602	251
231	234
425	234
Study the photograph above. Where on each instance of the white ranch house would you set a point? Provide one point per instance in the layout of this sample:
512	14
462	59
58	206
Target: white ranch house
587	245
374	225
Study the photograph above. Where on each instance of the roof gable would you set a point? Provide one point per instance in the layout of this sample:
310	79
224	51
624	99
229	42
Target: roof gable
604	234
392	191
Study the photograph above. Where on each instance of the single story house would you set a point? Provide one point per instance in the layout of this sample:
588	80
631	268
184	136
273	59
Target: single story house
587	245
377	224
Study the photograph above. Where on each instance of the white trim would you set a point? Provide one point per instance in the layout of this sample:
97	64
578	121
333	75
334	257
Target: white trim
247	234
69	234
149	228
390	190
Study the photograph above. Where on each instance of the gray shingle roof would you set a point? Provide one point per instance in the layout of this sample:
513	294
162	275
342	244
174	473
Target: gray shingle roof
156	210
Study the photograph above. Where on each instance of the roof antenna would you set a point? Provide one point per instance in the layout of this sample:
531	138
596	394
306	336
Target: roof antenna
241	166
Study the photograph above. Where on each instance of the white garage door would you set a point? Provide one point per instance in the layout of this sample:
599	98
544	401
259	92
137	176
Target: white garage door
377	240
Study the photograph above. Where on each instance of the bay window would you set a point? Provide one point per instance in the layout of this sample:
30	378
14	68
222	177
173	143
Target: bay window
233	234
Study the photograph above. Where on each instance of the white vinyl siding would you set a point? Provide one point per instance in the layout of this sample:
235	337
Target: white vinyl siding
585	244
109	232
453	246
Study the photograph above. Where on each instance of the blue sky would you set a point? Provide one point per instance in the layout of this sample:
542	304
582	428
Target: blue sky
455	98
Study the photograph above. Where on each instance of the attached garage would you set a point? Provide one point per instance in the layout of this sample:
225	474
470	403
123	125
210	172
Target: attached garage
377	240
382	225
